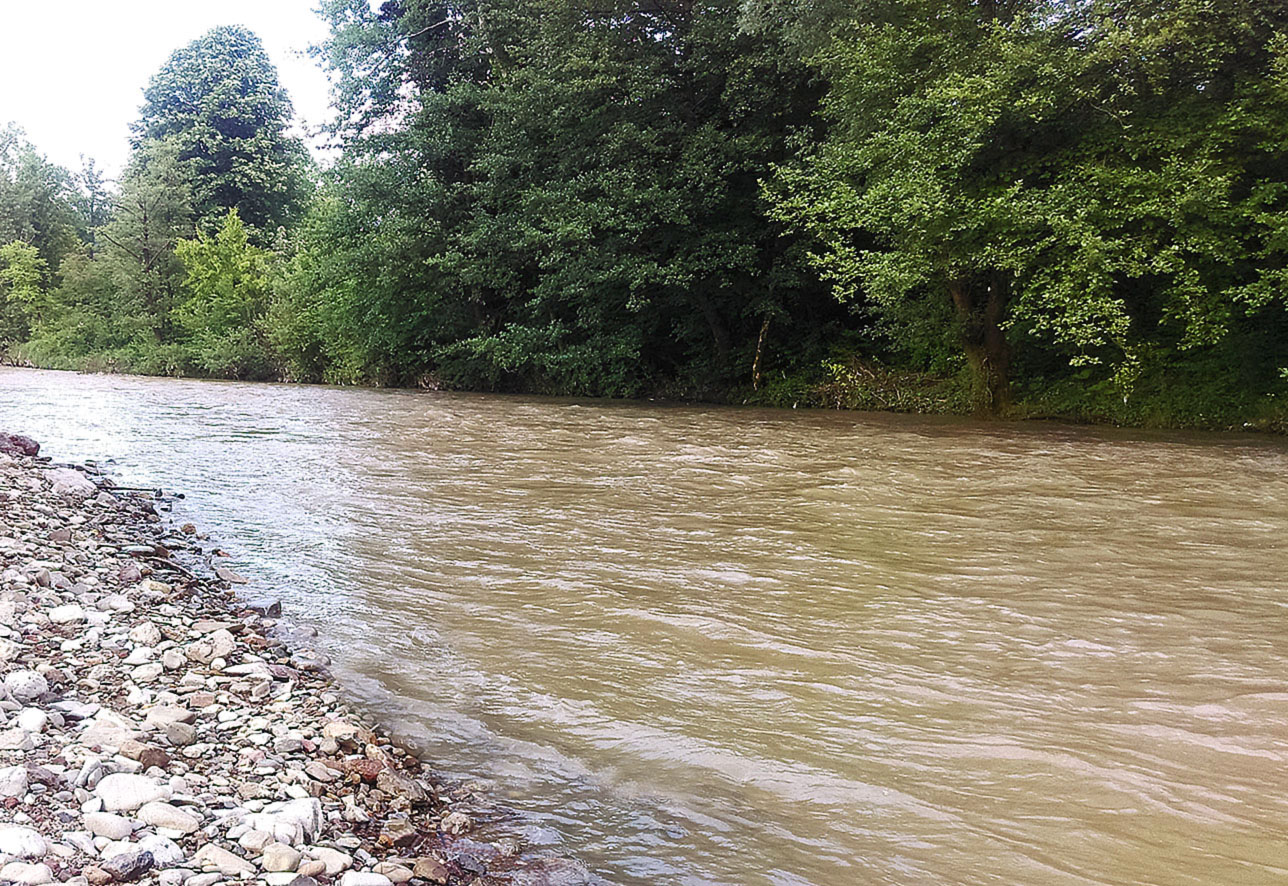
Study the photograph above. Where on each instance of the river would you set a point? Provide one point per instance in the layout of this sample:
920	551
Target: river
701	645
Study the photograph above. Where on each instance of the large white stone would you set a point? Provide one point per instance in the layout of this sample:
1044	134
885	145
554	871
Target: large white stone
32	720
66	615
122	792
26	874
293	823
71	483
279	858
105	824
145	634
22	842
228	864
362	878
25	686
165	852
172	818
13	781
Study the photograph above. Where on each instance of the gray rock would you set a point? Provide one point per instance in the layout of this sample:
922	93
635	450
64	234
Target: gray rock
181	734
125	867
16	740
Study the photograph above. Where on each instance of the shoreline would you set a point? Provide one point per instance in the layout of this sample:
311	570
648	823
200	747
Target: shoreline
156	729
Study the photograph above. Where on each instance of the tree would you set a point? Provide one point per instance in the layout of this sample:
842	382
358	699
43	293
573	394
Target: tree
1105	177
153	212
226	294
93	202
563	197
23	275
37	199
218	99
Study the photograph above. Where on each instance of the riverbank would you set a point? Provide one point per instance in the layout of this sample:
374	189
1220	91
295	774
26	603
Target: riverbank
1161	401
157	729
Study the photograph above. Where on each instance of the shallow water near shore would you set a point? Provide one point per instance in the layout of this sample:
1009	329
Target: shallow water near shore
717	646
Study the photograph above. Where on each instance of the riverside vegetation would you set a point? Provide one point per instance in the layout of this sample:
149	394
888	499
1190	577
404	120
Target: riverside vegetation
155	729
1022	207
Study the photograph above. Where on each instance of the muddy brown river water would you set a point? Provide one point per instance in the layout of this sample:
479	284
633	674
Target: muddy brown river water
720	646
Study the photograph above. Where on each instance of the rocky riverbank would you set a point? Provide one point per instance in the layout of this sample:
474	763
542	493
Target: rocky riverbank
154	729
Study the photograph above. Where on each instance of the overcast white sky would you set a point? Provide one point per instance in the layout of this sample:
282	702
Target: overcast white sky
72	72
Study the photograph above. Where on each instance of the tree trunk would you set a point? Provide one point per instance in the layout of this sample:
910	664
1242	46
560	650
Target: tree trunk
987	352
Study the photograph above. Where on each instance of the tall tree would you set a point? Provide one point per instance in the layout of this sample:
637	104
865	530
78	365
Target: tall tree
218	99
37	199
23	291
568	192
153	212
1105	177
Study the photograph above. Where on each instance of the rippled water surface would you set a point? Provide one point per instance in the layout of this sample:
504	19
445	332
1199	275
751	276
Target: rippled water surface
717	646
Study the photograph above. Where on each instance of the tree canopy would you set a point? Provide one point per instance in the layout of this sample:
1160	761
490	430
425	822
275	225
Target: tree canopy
1025	207
219	102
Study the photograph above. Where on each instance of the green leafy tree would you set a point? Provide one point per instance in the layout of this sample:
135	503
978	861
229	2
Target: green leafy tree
37	199
23	280
563	197
226	289
153	212
93	202
218	99
1105	179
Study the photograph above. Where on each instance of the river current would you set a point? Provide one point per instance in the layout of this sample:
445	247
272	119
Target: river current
699	645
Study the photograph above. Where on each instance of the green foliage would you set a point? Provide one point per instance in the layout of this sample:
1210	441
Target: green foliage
226	291
561	197
1041	206
22	290
219	102
36	200
1096	178
153	212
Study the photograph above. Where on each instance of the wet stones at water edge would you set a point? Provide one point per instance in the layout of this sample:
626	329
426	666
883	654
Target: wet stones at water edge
17	444
153	730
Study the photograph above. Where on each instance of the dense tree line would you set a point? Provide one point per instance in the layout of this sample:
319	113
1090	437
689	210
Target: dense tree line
1074	207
